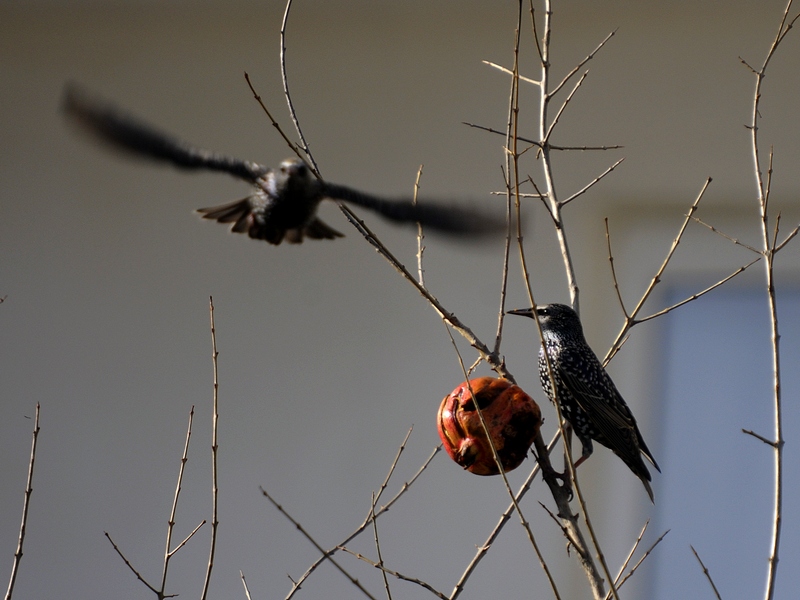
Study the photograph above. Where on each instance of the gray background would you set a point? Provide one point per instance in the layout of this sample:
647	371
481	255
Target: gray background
326	356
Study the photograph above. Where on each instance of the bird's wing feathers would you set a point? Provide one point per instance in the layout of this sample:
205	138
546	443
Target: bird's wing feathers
443	218
126	132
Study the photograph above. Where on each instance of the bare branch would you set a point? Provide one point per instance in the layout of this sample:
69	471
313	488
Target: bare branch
788	239
130	566
539	144
727	237
246	589
614	272
698	294
632	552
504	518
511	72
641	560
768	442
631	320
420	235
589	185
25	506
171	523
492	359
706	573
385	570
578	67
378	549
563	107
404	488
285	80
277	127
214	447
186	539
326	554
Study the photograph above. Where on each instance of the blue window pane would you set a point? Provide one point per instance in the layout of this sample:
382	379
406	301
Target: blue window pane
716	490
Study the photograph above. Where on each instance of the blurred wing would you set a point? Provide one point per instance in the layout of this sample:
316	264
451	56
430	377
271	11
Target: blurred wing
450	219
126	132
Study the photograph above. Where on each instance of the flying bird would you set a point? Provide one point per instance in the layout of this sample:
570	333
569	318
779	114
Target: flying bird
283	202
587	397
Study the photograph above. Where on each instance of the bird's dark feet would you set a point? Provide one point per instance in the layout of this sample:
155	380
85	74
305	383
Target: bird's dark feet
550	475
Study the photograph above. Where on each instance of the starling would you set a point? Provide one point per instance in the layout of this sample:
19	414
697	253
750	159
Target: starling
587	397
284	201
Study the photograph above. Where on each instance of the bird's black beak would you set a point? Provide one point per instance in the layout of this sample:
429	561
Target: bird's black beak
525	312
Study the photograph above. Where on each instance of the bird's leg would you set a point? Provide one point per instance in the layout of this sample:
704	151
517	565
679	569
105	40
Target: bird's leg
549	474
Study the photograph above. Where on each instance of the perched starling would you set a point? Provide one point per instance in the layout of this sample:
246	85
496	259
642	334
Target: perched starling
283	205
587	397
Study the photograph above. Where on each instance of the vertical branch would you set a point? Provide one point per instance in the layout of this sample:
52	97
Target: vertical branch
512	195
547	165
171	524
769	250
285	80
25	505
214	447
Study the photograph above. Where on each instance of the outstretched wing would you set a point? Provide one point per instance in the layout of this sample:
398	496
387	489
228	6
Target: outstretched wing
124	131
444	218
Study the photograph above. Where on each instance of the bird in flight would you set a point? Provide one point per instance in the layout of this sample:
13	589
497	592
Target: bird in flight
587	397
284	201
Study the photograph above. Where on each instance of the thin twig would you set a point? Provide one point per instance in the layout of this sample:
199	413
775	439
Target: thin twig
214	449
563	107
706	573
510	138
767	441
275	124
641	560
130	566
378	549
614	271
579	66
511	72
631	319
420	233
326	554
171	523
769	252
385	571
631	553
539	144
404	488
492	359
504	518
389	474
726	236
592	183
25	506
188	537
697	295
287	95
244	583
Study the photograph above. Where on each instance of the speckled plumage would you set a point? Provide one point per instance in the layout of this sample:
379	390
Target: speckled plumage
586	395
